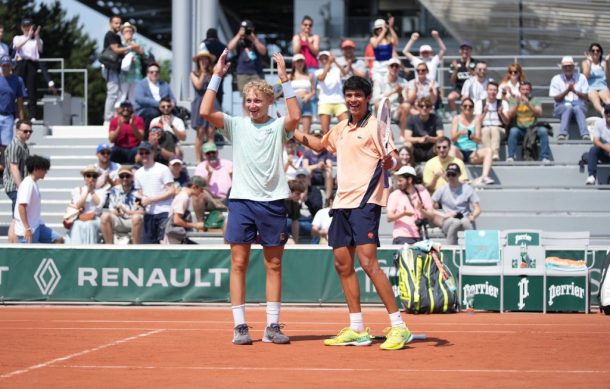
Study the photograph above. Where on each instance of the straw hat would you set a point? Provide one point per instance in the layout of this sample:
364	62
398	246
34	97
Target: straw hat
204	53
129	25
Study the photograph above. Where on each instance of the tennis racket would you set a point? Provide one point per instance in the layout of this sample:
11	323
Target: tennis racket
384	123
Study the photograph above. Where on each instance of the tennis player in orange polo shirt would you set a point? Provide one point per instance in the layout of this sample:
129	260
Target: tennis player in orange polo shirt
361	192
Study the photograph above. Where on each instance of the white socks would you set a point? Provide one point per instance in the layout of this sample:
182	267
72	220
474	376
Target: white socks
239	314
396	320
356	322
273	312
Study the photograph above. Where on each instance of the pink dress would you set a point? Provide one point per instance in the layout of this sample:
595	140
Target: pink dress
310	60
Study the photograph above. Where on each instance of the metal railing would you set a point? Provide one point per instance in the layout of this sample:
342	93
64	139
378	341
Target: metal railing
62	80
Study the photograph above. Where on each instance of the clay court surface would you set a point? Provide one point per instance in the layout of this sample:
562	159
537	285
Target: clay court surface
190	347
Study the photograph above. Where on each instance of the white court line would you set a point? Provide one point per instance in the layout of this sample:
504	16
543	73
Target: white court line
337	370
78	354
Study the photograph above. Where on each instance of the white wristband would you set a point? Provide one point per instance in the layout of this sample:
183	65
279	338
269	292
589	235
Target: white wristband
214	83
288	91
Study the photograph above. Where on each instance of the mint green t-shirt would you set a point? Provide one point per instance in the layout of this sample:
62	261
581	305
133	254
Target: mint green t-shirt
258	166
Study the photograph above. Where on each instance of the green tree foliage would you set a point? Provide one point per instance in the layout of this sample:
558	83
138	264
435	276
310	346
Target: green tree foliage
63	38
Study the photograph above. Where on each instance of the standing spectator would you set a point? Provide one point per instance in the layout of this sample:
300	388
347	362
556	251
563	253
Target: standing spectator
149	93
304	87
125	132
112	39
600	151
596	68
27	49
108	171
348	63
570	90
89	201
218	172
4	50
459	203
132	63
406	207
212	44
173	127
394	87
29	228
155	186
16	155
249	52
321	223
200	78
523	113
180	210
426	54
436	168
460	72
509	86
423	131
330	97
12	91
475	87
421	86
306	43
124	215
492	114
383	41
466	133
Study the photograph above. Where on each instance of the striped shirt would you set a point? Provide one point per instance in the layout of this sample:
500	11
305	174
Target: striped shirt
17	152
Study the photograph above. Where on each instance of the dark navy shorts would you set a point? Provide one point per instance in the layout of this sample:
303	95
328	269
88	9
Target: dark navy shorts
261	222
354	227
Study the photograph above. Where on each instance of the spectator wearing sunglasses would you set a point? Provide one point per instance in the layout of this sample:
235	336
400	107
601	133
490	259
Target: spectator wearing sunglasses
108	170
426	54
89	201
436	168
423	131
126	131
171	124
16	154
421	86
124	215
149	92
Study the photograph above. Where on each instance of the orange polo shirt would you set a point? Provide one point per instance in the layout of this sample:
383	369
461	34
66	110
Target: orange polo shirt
358	152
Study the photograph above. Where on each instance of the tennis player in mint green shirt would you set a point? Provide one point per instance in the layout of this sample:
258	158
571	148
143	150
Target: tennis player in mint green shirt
256	202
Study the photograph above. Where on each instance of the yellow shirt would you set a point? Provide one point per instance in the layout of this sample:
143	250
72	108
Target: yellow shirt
434	164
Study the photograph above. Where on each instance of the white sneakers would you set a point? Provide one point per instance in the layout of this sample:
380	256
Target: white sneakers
590	180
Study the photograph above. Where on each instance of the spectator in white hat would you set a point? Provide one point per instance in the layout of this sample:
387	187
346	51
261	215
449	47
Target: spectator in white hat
394	88
426	53
383	41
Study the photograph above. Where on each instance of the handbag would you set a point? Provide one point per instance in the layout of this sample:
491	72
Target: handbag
110	59
70	216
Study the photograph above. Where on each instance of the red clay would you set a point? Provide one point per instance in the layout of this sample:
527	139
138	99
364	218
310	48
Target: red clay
142	347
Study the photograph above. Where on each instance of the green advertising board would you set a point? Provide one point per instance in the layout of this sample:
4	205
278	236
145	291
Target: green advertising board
524	293
565	294
518	238
481	292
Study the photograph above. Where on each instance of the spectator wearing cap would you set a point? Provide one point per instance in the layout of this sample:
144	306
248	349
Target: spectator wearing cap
319	166
155	185
124	215
331	101
393	87
3	47
249	51
570	90
348	63
179	213
162	147
218	172
200	78
456	205
108	170
426	54
212	44
89	201
27	49
111	74
12	92
475	87
132	63
303	84
172	125
460	70
435	169
306	43
179	172
407	206
383	41
125	132
149	92
600	151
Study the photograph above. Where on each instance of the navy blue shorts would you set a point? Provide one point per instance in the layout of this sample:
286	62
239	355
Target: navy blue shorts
467	154
154	228
354	227
261	222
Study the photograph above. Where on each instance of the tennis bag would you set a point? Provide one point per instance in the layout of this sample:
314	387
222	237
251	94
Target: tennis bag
604	288
425	283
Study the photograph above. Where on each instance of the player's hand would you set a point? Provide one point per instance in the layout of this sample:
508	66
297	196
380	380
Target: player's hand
415	36
222	66
387	162
434	34
281	66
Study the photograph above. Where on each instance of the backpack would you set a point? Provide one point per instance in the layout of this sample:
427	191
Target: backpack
604	287
421	284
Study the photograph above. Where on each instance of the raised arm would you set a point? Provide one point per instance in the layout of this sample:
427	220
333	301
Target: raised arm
293	112
407	50
207	110
442	49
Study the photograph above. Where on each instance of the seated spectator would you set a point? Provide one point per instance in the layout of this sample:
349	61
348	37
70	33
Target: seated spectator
466	133
405	207
421	86
162	147
108	171
89	201
475	87
304	88
394	87
179	217
596	68
179	172
523	114
423	131
124	215
217	172
200	78
312	197
293	159
492	114
319	166
570	90
331	101
321	223
383	42
509	86
426	54
460	71
348	63
126	131
457	205
29	228
435	169
405	159
172	125
149	93
600	151
293	208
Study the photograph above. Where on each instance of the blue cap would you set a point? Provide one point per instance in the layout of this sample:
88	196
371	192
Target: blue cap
5	59
103	146
145	146
466	44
